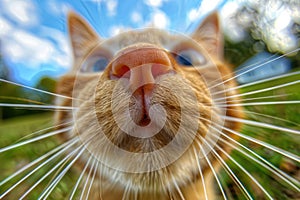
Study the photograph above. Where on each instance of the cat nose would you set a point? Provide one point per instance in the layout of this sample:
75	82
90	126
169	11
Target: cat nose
141	65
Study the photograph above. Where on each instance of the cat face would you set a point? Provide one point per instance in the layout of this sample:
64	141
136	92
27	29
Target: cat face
147	102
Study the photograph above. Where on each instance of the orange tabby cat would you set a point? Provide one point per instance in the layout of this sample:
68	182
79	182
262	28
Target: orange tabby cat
145	111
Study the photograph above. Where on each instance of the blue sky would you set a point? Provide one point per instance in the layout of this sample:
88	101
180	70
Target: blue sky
33	33
34	41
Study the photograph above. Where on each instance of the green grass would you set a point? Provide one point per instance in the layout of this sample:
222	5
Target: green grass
19	129
12	131
287	141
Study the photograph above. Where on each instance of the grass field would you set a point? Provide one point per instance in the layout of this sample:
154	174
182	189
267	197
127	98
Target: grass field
18	129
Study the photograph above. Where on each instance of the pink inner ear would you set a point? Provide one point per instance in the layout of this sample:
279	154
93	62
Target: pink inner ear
209	35
81	34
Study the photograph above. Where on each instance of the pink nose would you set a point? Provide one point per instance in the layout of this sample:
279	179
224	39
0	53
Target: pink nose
141	65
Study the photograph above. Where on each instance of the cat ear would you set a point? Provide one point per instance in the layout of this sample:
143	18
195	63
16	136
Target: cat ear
209	34
82	36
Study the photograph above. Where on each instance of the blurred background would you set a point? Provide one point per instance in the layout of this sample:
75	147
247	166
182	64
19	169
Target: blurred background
35	51
34	46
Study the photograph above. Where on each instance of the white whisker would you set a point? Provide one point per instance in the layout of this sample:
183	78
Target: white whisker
38	90
259	91
246	172
51	107
44	130
260	124
201	174
265	116
251	68
35	139
269	146
50	188
62	162
259	103
38	160
255	98
126	192
87	179
72	142
177	188
93	178
263	162
256	82
213	171
232	174
80	177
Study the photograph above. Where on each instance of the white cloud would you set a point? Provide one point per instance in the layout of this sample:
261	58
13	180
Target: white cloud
23	47
22	12
154	3
136	17
5	27
58	8
111	6
205	7
115	30
160	19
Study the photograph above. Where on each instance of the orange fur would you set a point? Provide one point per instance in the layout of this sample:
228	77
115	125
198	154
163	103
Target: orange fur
93	93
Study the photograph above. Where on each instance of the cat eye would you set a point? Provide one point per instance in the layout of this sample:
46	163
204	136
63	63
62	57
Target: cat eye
95	64
190	57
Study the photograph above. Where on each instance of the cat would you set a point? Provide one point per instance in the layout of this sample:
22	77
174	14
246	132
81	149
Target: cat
146	68
144	114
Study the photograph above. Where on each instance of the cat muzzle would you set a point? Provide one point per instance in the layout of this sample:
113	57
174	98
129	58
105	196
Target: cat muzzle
141	65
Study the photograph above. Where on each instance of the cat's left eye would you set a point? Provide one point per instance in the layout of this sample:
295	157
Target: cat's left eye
189	57
96	64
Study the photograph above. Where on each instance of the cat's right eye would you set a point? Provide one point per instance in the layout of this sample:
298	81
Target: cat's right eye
189	57
95	64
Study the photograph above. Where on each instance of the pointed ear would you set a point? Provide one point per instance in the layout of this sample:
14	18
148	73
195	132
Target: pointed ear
82	36
209	35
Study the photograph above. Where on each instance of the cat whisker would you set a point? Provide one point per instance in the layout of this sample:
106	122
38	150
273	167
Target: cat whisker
50	188
251	68
93	178
61	149
21	99
44	130
36	161
87	179
35	139
269	146
256	82
177	188
61	163
229	171
201	174
213	171
263	162
42	107
126	191
39	90
260	124
245	171
259	91
256	98
259	103
264	115
291	181
80	178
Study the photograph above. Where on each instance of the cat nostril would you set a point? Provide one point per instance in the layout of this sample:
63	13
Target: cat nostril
139	63
121	71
